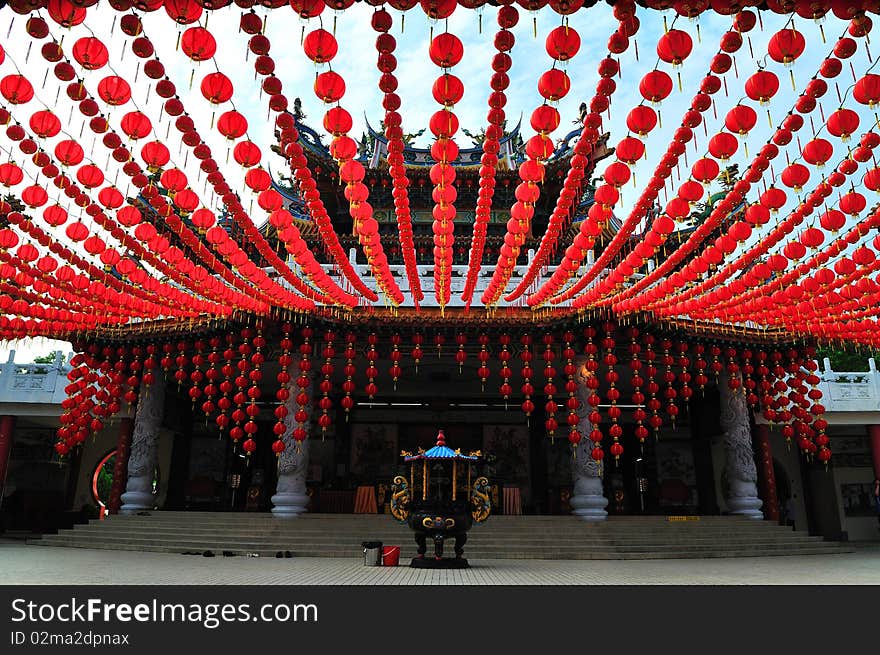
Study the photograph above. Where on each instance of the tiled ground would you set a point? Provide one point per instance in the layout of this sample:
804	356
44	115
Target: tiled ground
21	564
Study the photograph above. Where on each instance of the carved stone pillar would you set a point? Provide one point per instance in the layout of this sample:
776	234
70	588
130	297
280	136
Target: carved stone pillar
291	499
587	500
742	476
144	456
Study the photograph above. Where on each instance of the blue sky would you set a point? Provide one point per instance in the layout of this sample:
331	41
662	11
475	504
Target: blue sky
357	63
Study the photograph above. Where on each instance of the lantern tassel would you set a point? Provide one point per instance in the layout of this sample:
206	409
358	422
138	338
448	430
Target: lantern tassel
769	120
678	74
636	47
791	75
751	50
192	73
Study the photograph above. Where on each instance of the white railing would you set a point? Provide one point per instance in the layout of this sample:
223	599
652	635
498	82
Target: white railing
850	391
33	383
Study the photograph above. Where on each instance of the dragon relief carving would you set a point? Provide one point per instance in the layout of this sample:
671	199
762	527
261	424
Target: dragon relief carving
734	418
400	498
147	425
481	505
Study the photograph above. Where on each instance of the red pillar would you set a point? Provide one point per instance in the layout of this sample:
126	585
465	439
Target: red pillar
766	476
874	436
120	465
7	427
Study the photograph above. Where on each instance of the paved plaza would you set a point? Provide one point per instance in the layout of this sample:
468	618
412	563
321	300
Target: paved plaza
22	564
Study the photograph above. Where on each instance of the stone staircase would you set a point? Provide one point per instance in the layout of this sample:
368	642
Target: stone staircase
502	537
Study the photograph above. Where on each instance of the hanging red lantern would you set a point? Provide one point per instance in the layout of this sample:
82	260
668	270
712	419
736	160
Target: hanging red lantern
155	155
674	47
45	124
90	176
90	53
705	170
34	196
183	12
136	125
762	86
740	119
446	50
843	123
320	46
818	152
866	90
217	88
232	124
795	176
641	120
114	90
786	45
198	43
832	220
563	43
16	89
329	86
69	152
247	154
655	86
723	146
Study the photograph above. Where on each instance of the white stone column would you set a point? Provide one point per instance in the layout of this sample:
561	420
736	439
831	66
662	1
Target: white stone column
290	499
742	476
144	455
587	500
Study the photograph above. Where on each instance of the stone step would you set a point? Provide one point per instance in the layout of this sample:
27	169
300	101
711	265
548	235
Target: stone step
328	546
400	535
512	537
507	554
321	545
293	527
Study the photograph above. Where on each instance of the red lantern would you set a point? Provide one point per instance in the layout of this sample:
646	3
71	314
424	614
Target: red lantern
217	88
320	46
232	124
655	86
114	90
818	152
446	50
741	119
16	89
136	125
705	170
641	120
866	90
69	152
762	86
786	45
90	53
843	123
563	43
674	47
723	146
198	44
45	124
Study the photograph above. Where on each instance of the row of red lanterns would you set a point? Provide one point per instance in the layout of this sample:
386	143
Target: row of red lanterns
590	227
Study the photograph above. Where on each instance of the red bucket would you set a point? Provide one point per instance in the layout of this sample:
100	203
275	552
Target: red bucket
390	555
